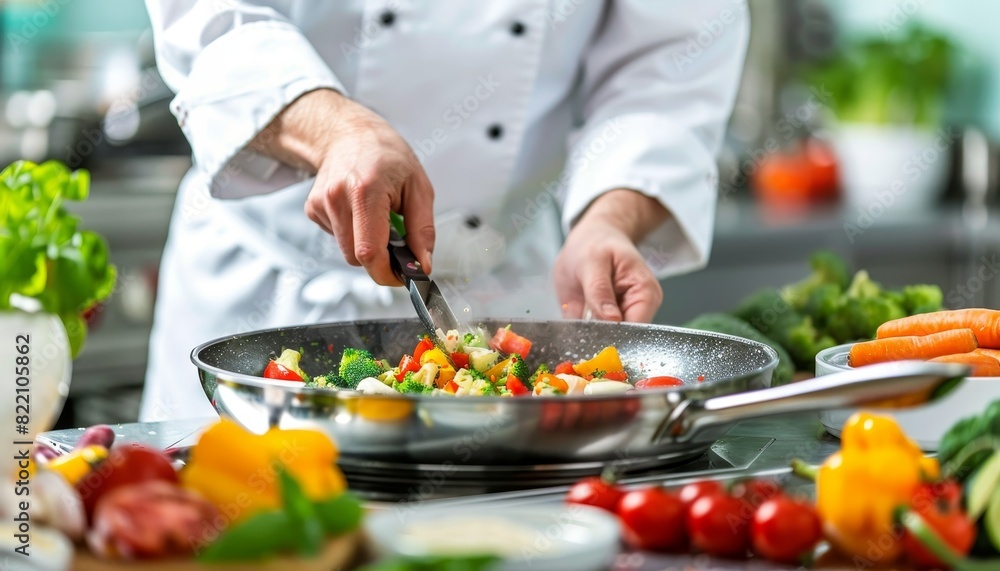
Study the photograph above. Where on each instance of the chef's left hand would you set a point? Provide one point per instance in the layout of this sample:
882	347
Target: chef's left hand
600	268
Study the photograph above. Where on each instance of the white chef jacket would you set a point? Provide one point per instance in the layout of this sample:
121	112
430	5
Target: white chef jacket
521	112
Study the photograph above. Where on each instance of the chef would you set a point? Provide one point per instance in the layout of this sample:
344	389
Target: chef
550	158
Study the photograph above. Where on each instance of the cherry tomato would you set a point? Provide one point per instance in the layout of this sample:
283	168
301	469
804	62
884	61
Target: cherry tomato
516	387
598	491
125	464
658	383
565	368
940	505
691	492
653	519
509	342
756	491
424	345
274	370
783	530
717	527
461	360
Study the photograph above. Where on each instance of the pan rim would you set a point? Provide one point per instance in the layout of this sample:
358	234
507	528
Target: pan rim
298	388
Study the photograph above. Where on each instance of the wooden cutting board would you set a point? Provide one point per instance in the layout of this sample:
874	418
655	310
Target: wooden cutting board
339	554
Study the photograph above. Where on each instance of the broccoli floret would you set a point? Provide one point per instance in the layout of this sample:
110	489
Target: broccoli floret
922	299
867	314
804	341
357	364
411	386
827	268
482	387
331	381
530	381
972	429
517	367
862	286
823	302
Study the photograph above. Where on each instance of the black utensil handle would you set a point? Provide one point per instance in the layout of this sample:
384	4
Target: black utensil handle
404	263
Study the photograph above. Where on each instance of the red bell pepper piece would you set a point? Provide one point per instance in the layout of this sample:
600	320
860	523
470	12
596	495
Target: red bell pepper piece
407	364
424	345
274	370
516	387
616	376
509	342
461	360
565	368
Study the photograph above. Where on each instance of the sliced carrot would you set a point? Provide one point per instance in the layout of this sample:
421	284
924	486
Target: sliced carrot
912	347
552	381
984	322
982	365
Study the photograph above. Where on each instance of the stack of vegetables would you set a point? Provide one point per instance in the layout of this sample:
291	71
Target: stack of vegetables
878	502
827	308
241	496
468	365
968	337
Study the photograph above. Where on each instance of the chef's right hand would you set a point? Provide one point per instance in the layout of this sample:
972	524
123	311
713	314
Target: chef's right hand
363	170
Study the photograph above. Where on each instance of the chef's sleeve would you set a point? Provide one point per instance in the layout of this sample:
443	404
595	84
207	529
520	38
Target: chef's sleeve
659	82
234	65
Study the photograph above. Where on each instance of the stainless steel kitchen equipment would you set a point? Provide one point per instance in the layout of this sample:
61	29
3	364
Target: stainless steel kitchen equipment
431	306
676	424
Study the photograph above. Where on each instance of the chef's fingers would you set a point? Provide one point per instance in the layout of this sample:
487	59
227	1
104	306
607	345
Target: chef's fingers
569	291
640	303
371	208
341	220
418	215
598	289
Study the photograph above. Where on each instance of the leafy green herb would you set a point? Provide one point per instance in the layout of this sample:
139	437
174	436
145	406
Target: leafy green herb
339	514
263	535
436	563
43	255
301	513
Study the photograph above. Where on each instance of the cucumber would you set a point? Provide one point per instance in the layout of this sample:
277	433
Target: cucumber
730	325
984	486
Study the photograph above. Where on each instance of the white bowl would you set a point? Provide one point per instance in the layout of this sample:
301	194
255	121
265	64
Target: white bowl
927	424
536	538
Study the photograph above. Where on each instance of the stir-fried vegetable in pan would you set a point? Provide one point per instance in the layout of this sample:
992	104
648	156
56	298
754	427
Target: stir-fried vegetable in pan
470	364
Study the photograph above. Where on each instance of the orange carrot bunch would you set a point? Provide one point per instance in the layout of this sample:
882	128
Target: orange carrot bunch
968	337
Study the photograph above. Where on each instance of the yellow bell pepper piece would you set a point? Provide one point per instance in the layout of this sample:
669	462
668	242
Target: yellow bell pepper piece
78	463
876	470
436	356
607	360
234	468
497	370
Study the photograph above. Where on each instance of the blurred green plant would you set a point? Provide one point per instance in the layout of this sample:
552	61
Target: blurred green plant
43	254
900	80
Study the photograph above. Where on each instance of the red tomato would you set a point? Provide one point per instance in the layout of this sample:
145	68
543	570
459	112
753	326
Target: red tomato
509	342
422	346
598	491
126	464
516	387
616	376
691	492
653	519
461	360
783	179
407	364
940	505
823	172
658	383
152	520
783	530
280	372
756	491
717	527
565	368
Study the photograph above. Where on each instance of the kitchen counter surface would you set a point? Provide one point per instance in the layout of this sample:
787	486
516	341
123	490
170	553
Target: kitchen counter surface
761	447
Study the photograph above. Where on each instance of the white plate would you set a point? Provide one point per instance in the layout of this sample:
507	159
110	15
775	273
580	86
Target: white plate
536	538
927	424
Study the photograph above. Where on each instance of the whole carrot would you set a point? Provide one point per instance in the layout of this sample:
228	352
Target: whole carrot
984	322
995	353
982	365
921	347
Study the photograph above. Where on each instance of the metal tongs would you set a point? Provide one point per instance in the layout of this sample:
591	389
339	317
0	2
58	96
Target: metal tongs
432	308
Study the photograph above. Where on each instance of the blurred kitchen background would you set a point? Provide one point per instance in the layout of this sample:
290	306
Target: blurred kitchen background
870	127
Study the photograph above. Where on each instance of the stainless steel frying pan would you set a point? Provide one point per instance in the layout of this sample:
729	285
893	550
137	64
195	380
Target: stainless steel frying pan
677	422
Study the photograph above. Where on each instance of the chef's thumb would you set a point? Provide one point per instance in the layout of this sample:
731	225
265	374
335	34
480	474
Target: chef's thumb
599	292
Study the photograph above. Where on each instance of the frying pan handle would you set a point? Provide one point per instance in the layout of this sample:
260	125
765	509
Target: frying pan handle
887	385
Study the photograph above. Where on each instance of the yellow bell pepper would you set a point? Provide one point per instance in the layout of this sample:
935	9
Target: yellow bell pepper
235	469
496	371
78	463
877	469
446	371
607	360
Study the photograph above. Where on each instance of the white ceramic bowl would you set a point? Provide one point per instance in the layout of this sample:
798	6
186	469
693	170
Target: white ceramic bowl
926	424
536	538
